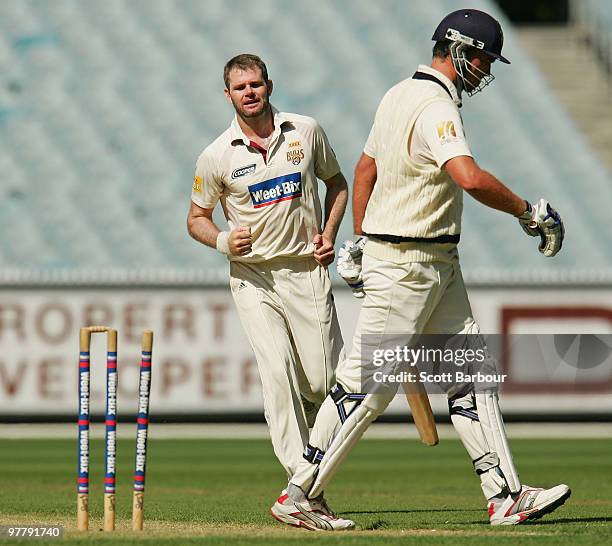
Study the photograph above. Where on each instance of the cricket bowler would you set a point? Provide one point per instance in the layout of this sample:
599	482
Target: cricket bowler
264	170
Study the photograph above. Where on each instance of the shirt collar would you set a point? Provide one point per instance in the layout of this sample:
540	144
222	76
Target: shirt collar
237	134
452	89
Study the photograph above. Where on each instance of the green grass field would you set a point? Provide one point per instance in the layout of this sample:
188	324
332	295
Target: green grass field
219	492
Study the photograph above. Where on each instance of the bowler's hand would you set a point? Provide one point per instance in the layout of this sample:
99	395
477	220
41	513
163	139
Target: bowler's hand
324	252
239	241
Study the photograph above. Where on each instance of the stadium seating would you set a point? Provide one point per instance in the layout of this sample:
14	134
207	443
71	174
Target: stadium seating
597	13
105	106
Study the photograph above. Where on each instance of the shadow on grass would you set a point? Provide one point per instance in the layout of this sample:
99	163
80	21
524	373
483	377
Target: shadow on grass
411	511
376	525
570	520
538	522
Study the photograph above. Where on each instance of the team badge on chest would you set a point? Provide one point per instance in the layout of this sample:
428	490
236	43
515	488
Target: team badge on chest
295	154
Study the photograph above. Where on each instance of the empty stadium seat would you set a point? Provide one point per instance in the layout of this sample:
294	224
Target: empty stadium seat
106	105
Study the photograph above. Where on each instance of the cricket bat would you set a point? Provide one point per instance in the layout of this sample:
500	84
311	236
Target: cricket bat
421	412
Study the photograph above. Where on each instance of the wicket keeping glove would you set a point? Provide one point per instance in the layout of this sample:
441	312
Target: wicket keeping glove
349	264
541	219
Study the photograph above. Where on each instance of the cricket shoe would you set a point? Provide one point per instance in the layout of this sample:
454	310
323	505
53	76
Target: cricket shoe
314	514
530	503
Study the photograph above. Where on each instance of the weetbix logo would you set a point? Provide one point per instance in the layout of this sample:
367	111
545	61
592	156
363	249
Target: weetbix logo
275	190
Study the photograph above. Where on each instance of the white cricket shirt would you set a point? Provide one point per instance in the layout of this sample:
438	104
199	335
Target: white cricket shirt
275	196
416	130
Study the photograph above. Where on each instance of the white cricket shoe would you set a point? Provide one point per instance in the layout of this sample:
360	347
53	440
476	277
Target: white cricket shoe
531	503
314	514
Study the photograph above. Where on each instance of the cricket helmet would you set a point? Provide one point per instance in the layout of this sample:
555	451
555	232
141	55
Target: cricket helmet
471	29
474	28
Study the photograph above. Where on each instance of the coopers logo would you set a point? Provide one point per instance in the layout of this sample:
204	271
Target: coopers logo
275	190
237	173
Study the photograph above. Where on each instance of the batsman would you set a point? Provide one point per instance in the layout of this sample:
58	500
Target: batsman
407	206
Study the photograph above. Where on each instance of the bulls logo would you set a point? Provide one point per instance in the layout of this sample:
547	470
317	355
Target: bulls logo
295	156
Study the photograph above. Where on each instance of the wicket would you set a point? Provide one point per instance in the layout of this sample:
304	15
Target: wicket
144	390
142	430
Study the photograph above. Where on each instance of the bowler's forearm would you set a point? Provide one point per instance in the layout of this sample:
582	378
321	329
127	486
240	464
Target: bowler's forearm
203	230
336	199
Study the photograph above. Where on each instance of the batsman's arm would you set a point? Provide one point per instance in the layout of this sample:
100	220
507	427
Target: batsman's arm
365	178
483	186
336	198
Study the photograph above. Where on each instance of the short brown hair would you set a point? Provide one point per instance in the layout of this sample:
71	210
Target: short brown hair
244	61
441	49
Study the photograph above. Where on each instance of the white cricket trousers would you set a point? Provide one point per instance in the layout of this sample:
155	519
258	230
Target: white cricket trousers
413	297
419	297
287	310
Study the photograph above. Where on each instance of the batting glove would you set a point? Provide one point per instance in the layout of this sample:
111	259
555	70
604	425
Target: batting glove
349	264
541	219
526	219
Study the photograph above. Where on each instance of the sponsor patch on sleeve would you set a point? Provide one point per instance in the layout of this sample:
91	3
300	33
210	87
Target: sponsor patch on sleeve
275	190
447	132
197	184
